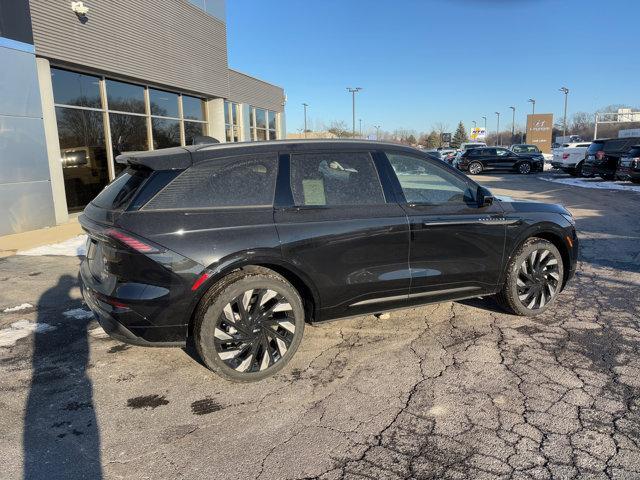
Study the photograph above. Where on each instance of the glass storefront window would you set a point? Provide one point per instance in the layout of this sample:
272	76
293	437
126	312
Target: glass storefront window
71	88
192	130
263	124
128	134
125	97
232	121
261	118
163	104
192	108
272	120
83	154
166	133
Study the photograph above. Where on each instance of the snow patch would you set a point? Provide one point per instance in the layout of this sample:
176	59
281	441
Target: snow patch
78	313
595	184
74	247
17	308
21	329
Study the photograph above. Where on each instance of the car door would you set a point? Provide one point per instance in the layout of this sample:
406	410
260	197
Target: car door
489	159
505	159
339	224
457	243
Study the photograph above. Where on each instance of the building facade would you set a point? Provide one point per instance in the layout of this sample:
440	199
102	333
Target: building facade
84	81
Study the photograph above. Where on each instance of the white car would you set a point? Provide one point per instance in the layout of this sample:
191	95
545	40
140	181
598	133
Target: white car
570	157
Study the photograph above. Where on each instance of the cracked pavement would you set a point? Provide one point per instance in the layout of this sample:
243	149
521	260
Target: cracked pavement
451	390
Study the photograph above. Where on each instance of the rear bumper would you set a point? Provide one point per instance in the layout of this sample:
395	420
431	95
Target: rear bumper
563	165
627	173
595	169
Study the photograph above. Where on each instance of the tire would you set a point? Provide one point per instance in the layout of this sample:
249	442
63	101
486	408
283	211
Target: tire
578	170
524	168
607	176
233	336
543	281
475	168
635	180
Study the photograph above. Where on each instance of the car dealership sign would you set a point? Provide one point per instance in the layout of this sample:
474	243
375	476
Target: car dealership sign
539	130
478	134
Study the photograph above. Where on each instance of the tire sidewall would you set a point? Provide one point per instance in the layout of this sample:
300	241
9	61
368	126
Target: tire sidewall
213	307
514	267
520	165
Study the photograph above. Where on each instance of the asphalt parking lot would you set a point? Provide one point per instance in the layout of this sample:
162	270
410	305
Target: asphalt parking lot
454	390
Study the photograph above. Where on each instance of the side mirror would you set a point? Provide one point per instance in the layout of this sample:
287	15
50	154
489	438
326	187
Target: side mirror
485	197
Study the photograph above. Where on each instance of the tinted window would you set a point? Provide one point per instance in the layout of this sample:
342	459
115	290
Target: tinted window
501	152
425	183
72	88
634	152
595	147
125	97
163	104
583	145
226	182
616	145
335	179
118	193
474	152
192	108
525	149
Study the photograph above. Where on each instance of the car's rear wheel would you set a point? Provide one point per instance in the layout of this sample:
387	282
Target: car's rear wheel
524	168
475	168
248	327
534	278
577	171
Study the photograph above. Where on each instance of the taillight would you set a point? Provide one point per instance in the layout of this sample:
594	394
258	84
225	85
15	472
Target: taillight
635	162
600	155
131	241
565	156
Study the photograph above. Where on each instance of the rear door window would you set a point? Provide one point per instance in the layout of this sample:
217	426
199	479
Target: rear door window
594	147
326	179
239	181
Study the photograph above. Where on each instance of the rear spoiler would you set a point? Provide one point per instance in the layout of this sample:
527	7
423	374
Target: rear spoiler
177	158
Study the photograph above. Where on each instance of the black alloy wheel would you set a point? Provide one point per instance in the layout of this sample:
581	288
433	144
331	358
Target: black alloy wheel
534	277
524	168
254	330
249	325
538	279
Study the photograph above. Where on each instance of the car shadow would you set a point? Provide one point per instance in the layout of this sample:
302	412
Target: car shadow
61	438
485	303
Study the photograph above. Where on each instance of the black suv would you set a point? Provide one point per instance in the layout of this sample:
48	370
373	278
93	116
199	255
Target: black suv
236	246
477	160
603	156
629	165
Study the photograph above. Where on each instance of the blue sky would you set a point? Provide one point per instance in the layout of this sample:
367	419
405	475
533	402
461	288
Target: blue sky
421	62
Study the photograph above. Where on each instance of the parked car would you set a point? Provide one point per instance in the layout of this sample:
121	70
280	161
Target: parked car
235	246
604	155
478	160
524	148
447	154
570	158
629	166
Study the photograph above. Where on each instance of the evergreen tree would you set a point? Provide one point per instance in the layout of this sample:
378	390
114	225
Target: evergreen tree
433	140
460	136
412	140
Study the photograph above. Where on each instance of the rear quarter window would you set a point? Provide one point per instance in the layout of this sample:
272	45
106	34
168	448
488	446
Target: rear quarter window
119	193
595	147
239	181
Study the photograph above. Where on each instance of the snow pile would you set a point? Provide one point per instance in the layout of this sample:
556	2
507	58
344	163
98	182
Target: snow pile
23	328
74	247
596	184
78	313
17	308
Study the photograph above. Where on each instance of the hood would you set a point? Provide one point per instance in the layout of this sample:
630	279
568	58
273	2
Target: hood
512	205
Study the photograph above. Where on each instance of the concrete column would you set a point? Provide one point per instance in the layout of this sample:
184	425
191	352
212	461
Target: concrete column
281	125
245	122
215	119
51	140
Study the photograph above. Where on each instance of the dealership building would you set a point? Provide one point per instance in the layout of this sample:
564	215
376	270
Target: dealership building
81	82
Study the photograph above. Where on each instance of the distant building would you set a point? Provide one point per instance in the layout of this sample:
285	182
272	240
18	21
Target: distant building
83	82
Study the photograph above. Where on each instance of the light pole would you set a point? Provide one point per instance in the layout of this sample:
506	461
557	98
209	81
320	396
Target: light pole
474	123
305	105
532	101
377	127
360	120
353	106
565	90
485	124
513	123
498	129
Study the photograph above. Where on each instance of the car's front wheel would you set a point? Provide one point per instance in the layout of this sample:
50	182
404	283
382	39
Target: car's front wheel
534	278
248	326
524	168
